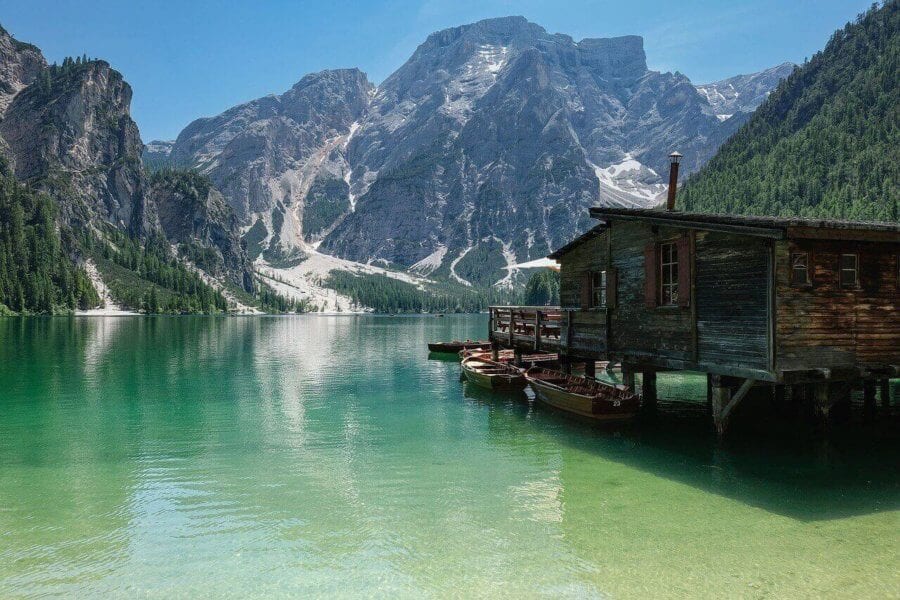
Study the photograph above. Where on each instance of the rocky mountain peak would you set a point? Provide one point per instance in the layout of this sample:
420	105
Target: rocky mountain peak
71	133
20	64
614	56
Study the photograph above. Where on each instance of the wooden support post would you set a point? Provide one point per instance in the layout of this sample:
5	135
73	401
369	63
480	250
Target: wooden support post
590	369
495	351
709	394
538	320
778	393
628	376
517	356
648	390
720	397
869	398
512	326
566	365
822	403
724	403
885	393
779	400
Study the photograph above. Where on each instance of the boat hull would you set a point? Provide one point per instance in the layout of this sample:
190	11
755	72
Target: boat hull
455	347
597	409
493	381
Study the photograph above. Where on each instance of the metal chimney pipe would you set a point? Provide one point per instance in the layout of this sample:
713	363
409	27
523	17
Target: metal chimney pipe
675	158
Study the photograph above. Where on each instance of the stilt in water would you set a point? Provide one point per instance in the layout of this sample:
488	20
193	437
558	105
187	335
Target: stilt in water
869	398
648	391
628	376
822	402
590	369
885	393
720	395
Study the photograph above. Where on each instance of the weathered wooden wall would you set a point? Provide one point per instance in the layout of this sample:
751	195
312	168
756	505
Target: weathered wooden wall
589	256
824	325
732	275
588	326
660	332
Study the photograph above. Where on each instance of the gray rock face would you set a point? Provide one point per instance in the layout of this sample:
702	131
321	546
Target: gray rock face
20	64
499	135
265	155
743	93
156	155
486	146
70	133
67	130
195	216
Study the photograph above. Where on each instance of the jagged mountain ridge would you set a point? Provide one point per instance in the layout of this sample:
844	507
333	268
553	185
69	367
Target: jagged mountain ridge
268	154
66	130
488	142
743	93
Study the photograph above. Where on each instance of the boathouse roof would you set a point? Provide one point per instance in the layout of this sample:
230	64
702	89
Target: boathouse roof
771	227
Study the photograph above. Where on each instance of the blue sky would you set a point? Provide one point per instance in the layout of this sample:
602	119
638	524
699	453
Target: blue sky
196	58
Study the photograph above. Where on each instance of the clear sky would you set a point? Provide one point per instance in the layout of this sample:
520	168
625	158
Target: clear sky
191	58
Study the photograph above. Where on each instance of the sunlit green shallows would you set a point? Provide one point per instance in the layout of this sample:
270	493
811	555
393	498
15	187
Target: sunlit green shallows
265	457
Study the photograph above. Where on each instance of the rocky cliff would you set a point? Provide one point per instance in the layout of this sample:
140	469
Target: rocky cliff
194	216
279	160
483	150
67	130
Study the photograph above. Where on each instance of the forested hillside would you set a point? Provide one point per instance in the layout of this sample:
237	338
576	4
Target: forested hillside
36	272
825	143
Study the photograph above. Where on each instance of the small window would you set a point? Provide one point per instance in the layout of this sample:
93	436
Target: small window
800	268
849	270
598	289
668	264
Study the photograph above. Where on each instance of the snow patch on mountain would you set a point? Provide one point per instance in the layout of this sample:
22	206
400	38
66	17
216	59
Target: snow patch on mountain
455	262
430	263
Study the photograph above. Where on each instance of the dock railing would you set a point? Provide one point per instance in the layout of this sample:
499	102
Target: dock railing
526	327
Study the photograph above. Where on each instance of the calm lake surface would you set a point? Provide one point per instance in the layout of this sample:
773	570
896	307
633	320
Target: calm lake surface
279	456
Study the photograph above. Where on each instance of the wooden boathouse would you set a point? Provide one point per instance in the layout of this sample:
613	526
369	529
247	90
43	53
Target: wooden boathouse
750	301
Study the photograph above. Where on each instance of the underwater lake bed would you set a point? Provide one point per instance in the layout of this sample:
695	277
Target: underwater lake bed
278	456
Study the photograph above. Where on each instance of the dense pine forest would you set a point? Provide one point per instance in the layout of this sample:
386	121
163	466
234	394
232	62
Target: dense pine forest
388	295
37	274
825	143
542	289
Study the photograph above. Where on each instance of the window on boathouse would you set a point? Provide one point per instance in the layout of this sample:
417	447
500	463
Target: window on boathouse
849	270
598	289
667	273
668	263
799	268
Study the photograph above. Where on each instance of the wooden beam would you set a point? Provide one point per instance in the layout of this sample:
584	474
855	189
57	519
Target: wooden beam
736	399
828	233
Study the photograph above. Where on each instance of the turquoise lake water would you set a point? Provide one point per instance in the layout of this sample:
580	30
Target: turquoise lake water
285	456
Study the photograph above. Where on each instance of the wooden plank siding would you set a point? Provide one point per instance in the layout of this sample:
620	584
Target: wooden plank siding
732	275
824	325
587	257
661	332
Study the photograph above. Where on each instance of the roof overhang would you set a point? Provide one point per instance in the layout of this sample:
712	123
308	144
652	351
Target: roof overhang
661	218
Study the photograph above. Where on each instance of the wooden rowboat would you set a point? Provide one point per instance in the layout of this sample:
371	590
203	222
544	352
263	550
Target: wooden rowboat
493	375
583	396
455	346
508	356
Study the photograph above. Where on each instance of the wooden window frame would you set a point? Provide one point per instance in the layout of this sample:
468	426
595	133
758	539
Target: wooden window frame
668	269
854	270
807	279
599	289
